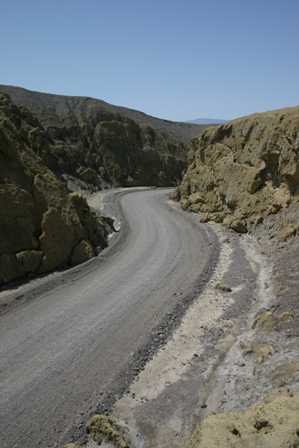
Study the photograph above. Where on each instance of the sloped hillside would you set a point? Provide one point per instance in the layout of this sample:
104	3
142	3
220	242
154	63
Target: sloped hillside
42	226
107	145
245	170
49	106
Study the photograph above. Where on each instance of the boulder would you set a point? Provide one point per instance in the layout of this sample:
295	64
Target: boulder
29	261
9	268
59	235
17	219
82	252
88	175
94	226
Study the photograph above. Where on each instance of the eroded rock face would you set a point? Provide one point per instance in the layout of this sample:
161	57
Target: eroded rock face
244	170
103	144
42	226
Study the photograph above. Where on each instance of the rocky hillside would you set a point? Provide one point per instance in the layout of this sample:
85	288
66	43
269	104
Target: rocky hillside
245	170
245	174
42	226
107	145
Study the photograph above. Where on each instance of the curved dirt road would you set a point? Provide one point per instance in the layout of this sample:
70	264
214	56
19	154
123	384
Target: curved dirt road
66	349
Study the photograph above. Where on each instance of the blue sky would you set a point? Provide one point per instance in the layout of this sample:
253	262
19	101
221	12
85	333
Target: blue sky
173	59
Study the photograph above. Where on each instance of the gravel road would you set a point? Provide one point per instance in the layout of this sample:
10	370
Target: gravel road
64	351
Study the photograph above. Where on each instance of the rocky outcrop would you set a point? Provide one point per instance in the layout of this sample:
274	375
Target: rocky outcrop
245	170
82	252
42	226
242	174
272	424
103	144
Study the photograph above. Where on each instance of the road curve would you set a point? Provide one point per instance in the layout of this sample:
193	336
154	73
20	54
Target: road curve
61	351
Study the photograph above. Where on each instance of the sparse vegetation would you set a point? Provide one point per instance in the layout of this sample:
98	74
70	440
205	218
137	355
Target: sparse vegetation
103	428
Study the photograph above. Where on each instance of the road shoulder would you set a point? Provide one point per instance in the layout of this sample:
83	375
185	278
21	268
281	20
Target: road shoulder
201	370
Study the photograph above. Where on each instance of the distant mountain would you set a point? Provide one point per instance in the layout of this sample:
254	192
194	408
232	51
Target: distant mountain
51	108
206	121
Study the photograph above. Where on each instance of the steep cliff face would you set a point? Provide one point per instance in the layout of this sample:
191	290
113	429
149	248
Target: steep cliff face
42	226
245	170
103	144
